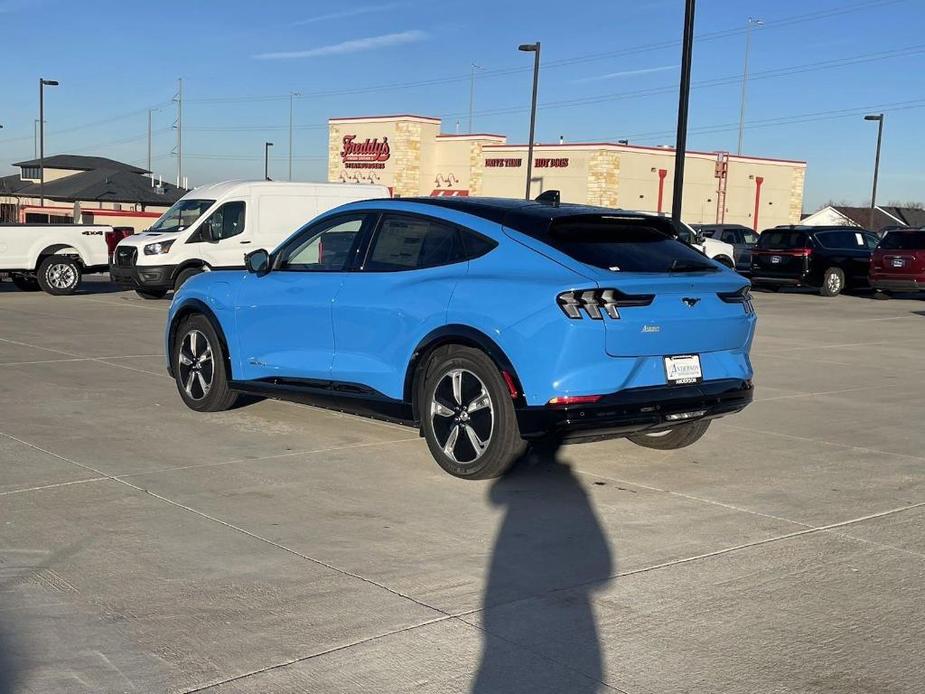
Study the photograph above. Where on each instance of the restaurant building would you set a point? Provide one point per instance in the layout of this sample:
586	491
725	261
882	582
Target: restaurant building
410	155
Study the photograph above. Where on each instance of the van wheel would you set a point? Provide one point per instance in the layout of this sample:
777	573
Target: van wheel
676	437
25	283
833	281
185	275
198	362
151	293
468	416
58	275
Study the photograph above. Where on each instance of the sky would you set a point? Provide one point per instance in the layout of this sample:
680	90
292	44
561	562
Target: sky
609	70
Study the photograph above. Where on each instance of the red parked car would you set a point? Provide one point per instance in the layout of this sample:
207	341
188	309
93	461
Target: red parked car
898	262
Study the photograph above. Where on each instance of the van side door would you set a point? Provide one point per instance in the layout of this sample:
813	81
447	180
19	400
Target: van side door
230	238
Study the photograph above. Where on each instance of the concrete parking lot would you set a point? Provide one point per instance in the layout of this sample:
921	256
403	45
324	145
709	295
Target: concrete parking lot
282	548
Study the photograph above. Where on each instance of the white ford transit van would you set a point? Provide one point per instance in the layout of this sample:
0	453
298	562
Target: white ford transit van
212	227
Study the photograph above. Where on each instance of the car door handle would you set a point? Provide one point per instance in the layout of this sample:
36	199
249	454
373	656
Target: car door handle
243	242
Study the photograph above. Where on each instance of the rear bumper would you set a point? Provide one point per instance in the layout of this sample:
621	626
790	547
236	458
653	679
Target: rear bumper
636	410
143	276
912	284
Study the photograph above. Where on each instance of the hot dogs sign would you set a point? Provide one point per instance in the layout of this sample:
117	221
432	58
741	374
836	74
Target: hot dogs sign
368	154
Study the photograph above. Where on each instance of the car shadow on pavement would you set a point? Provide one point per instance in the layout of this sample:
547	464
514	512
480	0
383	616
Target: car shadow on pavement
550	556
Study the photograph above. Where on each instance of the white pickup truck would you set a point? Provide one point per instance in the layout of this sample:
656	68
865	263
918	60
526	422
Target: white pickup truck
53	257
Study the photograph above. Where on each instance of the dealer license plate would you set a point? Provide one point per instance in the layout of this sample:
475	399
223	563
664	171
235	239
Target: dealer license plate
898	262
775	259
683	369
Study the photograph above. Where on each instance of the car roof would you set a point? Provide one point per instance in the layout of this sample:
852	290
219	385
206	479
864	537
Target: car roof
532	217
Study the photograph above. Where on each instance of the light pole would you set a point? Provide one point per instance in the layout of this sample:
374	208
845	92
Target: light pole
150	172
684	94
472	92
873	196
266	160
291	96
752	21
42	84
535	49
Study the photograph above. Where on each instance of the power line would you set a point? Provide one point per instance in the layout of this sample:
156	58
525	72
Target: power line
84	126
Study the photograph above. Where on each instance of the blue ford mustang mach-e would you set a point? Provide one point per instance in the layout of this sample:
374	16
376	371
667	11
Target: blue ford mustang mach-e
487	323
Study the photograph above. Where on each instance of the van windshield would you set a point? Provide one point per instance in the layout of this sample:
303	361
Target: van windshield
181	215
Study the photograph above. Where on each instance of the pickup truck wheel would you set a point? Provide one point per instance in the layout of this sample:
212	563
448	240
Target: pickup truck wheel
676	437
198	361
833	281
25	283
151	293
59	275
725	260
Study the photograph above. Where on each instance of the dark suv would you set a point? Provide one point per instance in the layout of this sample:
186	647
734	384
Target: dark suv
829	259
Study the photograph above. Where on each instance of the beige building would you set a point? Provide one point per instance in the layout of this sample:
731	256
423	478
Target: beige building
410	155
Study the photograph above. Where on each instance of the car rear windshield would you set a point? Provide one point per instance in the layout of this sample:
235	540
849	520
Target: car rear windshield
781	238
903	241
625	246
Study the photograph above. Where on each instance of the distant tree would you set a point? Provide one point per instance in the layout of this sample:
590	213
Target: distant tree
911	204
836	203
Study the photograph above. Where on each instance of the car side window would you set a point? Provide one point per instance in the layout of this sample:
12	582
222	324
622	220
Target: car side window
749	237
476	245
324	249
227	220
406	242
729	237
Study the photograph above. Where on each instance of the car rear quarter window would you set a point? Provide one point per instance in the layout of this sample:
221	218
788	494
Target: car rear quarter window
845	239
903	241
782	239
406	242
624	246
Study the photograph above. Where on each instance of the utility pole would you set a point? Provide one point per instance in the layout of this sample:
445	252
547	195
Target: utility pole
535	49
873	196
684	94
266	160
748	46
291	95
179	99
42	84
150	171
472	92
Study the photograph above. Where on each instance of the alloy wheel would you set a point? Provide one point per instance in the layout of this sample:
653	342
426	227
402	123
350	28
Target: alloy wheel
833	282
196	365
61	275
462	416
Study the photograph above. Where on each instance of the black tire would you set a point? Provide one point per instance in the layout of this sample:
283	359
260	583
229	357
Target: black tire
25	283
833	282
185	275
59	275
493	425
200	374
726	261
882	294
676	437
151	293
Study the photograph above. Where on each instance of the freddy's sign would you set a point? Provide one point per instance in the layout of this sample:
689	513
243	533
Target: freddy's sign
368	154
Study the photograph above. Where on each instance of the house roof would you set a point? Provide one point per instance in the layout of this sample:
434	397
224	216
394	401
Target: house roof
862	217
910	216
78	162
102	185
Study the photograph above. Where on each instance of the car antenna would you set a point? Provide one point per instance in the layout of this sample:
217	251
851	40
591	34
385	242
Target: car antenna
549	197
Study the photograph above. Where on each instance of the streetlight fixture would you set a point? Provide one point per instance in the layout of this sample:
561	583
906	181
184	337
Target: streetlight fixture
291	96
752	21
472	91
535	49
873	196
266	160
42	84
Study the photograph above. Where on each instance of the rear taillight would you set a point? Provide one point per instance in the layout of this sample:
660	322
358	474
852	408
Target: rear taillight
113	237
739	296
597	302
567	400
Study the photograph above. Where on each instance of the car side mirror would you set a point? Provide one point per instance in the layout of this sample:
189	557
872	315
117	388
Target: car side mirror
698	237
257	262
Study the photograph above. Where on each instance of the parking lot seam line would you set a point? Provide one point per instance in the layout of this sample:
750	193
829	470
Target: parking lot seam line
76	359
823	441
127	304
230	526
52	486
773	398
275	456
849	344
327	651
47	349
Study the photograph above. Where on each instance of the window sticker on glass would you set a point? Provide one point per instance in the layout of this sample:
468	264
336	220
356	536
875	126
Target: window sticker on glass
859	237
